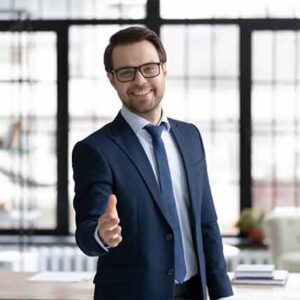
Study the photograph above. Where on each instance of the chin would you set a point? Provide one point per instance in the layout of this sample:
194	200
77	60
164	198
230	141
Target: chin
147	109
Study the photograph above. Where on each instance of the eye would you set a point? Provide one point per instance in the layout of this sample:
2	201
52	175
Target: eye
149	68
126	72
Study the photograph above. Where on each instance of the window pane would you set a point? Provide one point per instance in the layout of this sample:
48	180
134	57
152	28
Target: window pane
284	55
192	9
275	117
68	9
202	88
28	130
262	60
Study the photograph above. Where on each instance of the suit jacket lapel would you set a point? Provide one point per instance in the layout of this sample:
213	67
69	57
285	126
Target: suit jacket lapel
126	139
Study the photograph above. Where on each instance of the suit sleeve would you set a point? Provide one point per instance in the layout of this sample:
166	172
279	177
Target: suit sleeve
93	185
218	281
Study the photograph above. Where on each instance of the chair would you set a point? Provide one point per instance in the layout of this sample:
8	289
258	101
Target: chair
282	228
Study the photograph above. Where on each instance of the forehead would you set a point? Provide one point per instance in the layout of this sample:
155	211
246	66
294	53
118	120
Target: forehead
134	54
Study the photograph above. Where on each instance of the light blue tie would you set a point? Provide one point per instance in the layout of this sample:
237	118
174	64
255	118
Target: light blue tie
167	196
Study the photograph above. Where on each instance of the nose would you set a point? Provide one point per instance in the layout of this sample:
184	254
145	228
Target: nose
139	78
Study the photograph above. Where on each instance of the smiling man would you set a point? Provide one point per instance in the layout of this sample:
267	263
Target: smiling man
142	196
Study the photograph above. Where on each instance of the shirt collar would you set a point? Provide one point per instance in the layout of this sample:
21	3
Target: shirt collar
137	123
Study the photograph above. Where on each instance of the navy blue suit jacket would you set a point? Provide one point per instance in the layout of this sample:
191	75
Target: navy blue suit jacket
112	160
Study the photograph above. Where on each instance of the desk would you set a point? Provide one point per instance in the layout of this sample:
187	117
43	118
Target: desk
14	285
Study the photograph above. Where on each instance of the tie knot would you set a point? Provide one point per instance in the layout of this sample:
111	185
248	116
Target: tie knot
154	131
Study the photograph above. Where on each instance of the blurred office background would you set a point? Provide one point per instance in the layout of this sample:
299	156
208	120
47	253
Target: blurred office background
233	70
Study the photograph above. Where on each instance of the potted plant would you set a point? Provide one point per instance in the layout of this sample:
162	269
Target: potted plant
250	224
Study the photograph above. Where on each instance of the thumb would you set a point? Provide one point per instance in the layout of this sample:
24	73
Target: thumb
112	205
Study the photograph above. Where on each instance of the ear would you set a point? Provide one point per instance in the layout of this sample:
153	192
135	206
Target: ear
111	78
164	69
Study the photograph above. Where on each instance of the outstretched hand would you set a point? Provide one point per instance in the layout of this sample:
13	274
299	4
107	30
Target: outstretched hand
108	224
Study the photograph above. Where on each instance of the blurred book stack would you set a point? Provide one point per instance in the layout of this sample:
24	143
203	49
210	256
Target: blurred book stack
259	275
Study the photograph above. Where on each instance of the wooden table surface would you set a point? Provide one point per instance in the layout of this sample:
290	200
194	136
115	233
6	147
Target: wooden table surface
14	285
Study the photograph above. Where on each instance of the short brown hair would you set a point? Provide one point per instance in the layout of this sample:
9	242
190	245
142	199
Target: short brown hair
132	35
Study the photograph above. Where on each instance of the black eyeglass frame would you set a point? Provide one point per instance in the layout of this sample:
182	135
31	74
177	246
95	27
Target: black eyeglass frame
138	68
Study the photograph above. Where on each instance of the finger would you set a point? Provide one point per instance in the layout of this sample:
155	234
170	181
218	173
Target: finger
108	226
114	242
106	218
112	233
112	205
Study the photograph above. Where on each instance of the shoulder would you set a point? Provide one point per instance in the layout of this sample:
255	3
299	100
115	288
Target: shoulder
185	127
96	140
188	132
183	124
99	135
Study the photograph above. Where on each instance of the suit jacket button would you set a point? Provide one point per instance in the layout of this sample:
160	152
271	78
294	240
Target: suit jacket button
169	236
170	272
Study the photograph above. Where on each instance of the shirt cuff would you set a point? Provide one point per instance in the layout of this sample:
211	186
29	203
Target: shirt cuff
98	240
226	298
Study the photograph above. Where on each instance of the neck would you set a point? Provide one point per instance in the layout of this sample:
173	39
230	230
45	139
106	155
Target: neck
154	118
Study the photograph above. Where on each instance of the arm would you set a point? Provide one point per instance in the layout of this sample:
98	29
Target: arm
93	185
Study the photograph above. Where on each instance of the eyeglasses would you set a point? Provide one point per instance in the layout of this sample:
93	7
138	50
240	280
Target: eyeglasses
148	70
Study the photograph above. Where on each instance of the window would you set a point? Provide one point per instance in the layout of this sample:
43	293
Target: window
219	9
202	88
28	130
276	119
73	9
230	76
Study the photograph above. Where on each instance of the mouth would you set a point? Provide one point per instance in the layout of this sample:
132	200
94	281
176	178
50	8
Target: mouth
142	92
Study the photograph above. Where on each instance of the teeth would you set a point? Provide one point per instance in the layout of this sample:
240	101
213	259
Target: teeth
141	92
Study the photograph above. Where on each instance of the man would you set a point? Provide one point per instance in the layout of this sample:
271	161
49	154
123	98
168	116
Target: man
143	202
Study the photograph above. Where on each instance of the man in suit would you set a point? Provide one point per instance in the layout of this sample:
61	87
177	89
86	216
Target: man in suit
142	197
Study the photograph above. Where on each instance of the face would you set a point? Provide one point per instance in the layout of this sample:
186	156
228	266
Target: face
142	95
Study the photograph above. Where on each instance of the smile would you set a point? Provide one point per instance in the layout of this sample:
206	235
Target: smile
141	92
